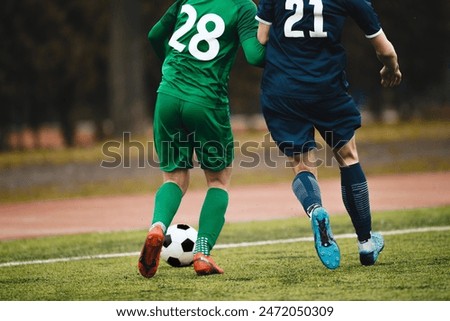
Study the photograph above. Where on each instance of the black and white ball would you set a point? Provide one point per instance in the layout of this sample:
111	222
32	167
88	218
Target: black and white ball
179	245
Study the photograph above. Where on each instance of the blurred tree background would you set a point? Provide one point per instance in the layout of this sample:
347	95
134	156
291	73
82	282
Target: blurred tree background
68	61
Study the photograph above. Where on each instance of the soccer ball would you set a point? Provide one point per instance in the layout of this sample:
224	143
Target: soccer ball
179	245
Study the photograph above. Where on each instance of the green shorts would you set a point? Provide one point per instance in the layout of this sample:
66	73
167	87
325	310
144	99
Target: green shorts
181	127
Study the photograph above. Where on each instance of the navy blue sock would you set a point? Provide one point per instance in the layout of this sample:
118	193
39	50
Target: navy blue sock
306	188
355	194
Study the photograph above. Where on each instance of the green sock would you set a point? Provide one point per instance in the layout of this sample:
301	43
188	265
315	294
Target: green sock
212	219
167	200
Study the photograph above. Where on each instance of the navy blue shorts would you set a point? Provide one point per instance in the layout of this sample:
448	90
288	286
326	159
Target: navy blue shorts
291	121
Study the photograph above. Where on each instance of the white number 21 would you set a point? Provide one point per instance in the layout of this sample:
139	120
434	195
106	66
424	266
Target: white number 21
298	15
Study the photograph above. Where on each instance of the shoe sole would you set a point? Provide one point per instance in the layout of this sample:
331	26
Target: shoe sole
326	248
150	253
207	272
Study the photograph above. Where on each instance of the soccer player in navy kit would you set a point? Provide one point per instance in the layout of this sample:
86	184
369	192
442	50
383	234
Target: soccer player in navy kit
304	88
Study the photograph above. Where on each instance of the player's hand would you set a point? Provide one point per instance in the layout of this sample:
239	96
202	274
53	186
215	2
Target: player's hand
390	77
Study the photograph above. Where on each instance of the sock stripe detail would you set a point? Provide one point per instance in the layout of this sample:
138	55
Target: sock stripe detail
355	195
307	190
360	193
201	245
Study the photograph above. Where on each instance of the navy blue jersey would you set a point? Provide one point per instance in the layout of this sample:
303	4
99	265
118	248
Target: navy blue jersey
304	56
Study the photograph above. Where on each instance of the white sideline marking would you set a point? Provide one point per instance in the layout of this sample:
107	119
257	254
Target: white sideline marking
340	236
223	246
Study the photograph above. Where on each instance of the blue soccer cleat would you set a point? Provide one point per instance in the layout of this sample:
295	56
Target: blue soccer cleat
370	250
326	247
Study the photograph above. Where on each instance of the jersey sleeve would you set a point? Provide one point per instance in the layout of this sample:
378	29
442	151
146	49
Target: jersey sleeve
247	26
255	53
160	33
365	17
265	13
247	29
170	17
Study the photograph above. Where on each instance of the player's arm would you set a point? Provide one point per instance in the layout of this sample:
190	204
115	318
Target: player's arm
159	38
161	32
366	18
263	33
390	73
255	53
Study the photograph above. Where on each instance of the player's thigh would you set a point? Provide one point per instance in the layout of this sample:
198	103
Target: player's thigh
172	141
337	120
213	137
289	127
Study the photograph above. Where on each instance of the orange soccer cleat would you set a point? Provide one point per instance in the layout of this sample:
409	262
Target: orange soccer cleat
205	265
149	259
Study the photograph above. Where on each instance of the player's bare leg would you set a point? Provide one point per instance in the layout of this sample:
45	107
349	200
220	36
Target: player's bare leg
180	176
347	155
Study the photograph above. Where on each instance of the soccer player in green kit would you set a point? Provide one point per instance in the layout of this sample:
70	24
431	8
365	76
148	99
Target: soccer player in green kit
197	41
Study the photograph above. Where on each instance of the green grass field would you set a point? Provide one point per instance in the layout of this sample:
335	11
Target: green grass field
413	266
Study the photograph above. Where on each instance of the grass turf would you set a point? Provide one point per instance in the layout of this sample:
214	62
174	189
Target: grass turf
412	266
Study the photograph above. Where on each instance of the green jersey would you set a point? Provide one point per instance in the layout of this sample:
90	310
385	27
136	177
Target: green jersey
203	38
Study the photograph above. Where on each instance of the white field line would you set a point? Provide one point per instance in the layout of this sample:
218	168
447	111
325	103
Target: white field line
222	246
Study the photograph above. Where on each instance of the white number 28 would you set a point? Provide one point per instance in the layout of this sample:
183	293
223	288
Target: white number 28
202	34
